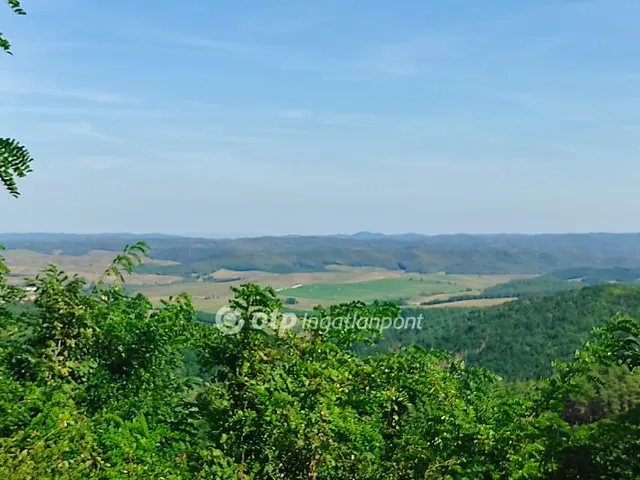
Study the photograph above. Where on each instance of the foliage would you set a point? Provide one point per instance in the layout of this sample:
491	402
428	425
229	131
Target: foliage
519	339
94	385
523	288
125	262
15	160
606	392
596	276
554	282
618	342
17	9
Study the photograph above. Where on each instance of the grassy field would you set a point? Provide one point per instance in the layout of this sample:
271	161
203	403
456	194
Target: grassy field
473	303
325	288
209	296
339	284
405	288
27	264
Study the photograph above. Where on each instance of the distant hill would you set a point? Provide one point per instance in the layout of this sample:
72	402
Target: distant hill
478	254
554	282
596	276
519	339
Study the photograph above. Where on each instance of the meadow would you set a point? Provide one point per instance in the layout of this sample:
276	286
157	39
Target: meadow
328	288
404	289
213	290
26	264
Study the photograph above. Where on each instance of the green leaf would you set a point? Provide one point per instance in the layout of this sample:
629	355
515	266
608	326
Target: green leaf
15	162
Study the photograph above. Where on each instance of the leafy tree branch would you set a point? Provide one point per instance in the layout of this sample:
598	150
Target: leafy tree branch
15	160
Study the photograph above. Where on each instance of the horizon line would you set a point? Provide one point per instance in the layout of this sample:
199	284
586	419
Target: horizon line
229	236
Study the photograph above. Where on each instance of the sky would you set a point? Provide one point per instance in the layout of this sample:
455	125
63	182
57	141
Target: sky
256	117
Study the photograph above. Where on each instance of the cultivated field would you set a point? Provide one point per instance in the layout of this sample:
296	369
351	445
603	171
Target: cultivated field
27	264
338	284
404	288
325	288
473	303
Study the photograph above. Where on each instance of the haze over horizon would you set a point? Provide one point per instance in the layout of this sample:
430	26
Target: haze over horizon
323	117
363	234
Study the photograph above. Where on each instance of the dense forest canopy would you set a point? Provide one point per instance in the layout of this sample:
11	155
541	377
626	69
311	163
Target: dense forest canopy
520	339
98	384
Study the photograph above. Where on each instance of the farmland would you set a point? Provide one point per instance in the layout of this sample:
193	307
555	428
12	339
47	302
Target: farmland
302	290
326	288
26	264
211	291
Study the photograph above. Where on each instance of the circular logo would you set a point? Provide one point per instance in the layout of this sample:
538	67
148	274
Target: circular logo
229	321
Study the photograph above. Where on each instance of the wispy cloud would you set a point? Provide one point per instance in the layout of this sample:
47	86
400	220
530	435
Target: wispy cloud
412	55
23	85
102	163
326	118
98	97
277	19
264	55
81	129
567	106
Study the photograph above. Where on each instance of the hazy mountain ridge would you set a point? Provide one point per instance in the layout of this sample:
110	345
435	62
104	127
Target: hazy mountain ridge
462	253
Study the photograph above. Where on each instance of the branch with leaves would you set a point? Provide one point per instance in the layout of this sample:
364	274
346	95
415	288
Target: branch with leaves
15	162
131	256
617	342
8	293
17	9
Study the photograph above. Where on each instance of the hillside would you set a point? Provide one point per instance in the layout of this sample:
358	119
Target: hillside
480	254
519	339
596	276
548	284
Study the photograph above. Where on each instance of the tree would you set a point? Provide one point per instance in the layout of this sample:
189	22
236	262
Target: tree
15	160
617	342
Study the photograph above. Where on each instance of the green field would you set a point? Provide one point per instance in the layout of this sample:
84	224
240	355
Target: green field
385	289
344	285
210	292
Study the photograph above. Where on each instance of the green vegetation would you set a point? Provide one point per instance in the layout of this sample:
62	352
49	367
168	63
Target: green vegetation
4	43
15	160
559	281
530	287
519	339
596	276
385	289
518	288
97	384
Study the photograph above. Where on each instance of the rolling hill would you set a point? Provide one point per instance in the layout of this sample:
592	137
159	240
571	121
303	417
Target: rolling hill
475	254
519	339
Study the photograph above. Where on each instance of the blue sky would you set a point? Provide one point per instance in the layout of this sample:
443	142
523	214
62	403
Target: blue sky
324	116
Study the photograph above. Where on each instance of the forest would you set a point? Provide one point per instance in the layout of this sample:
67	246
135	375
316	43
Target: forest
519	339
98	384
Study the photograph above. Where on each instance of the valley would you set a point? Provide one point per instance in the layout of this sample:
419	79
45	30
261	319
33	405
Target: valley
200	267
